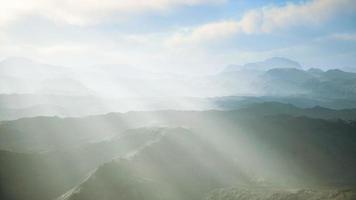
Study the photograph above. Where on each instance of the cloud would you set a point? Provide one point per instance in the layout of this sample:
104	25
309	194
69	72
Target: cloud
308	13
87	12
168	48
207	32
268	20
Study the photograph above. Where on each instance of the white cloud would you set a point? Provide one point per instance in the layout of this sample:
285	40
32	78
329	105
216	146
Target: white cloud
87	12
207	32
267	20
309	13
79	47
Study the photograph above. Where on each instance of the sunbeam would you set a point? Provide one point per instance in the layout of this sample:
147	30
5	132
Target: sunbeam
177	100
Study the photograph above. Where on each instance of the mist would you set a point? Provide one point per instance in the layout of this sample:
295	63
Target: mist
177	100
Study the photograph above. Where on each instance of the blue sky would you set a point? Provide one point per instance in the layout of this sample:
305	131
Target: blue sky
192	36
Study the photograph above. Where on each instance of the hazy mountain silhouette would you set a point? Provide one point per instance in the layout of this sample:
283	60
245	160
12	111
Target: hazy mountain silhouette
272	77
330	84
22	75
270	63
288	82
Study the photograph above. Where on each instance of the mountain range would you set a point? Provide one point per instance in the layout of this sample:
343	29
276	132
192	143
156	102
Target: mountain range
73	96
261	131
270	63
273	77
179	154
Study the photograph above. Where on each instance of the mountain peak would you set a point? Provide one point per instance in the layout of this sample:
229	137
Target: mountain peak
270	63
315	71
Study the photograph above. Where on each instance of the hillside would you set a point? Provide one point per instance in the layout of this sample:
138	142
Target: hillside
35	176
37	134
183	164
188	153
285	194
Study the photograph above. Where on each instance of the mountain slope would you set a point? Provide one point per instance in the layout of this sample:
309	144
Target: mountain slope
48	175
179	166
285	194
283	152
50	133
269	144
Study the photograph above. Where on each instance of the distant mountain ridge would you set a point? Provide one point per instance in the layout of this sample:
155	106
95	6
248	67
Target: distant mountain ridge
26	86
22	75
290	82
73	131
274	76
270	63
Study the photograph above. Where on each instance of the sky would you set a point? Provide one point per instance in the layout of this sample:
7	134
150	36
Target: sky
183	36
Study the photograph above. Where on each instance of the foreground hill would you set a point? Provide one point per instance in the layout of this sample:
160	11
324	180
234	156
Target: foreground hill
275	145
49	175
283	152
178	166
285	194
32	176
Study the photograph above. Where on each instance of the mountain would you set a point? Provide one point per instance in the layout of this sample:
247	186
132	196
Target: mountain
288	82
32	176
283	152
162	170
292	75
328	84
37	134
25	68
270	63
16	106
177	154
136	88
237	102
22	75
285	194
31	111
318	112
47	133
35	175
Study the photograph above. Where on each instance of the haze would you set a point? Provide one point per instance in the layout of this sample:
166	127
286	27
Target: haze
177	100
